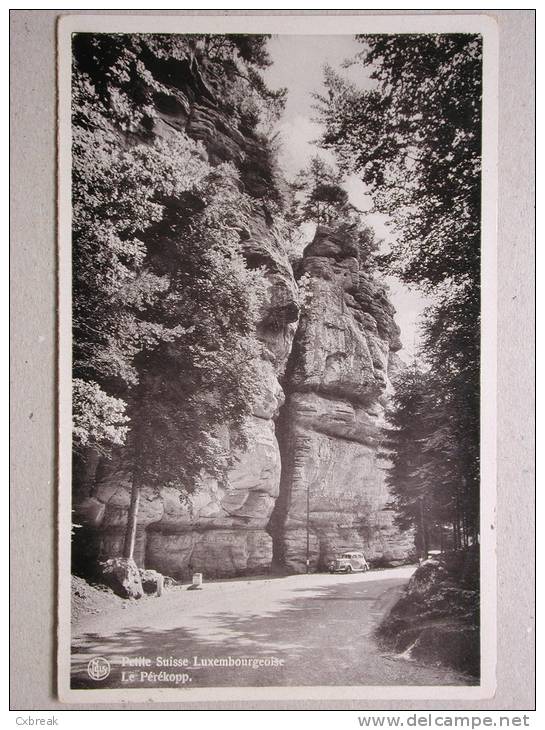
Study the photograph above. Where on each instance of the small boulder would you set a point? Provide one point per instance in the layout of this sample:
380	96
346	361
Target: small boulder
123	577
152	582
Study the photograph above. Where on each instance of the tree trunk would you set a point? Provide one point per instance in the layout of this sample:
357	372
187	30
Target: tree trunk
458	522
308	527
137	464
132	520
424	530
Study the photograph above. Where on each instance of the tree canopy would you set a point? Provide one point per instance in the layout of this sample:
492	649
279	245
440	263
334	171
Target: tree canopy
164	307
319	191
318	195
414	137
428	462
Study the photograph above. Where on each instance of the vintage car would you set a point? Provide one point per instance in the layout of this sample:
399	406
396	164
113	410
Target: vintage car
352	561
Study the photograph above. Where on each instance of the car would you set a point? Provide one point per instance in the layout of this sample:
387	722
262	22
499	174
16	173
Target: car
351	561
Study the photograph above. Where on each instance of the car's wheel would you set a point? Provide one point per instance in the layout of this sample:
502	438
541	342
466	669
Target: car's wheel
349	569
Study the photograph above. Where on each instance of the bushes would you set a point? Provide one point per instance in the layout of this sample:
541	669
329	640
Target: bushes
437	619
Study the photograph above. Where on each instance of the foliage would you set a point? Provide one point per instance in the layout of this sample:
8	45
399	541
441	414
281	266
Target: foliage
415	140
451	343
164	307
131	73
425	475
317	196
99	419
192	391
238	59
116	196
305	292
432	439
318	193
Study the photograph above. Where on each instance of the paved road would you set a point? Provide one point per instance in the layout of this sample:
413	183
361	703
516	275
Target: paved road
291	631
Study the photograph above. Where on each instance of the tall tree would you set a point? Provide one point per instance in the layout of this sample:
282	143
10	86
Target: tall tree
415	139
204	383
321	195
425	469
318	196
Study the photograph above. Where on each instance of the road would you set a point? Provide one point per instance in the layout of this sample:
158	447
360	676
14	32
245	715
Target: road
292	631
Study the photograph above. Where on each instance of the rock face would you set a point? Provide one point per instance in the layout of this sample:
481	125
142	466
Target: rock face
333	490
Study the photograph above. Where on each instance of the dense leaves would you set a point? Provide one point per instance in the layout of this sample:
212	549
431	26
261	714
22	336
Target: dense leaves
318	196
164	307
428	466
414	137
116	199
132	76
99	419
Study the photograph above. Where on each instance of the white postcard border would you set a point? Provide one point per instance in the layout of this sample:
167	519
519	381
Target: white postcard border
291	25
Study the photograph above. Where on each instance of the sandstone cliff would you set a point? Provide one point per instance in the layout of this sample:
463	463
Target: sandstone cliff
337	382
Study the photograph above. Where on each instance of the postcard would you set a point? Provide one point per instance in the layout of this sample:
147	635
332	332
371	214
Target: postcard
277	265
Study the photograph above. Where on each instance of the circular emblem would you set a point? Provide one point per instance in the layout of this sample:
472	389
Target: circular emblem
98	668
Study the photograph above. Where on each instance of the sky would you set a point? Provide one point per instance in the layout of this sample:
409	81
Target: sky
297	65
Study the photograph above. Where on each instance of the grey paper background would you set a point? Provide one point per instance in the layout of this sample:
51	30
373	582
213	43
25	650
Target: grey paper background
33	339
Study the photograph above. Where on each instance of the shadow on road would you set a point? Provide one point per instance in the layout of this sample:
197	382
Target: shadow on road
318	636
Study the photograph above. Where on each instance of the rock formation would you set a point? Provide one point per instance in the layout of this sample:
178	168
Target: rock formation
337	381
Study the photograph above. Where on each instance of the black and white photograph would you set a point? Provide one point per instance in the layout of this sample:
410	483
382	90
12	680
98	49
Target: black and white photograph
277	436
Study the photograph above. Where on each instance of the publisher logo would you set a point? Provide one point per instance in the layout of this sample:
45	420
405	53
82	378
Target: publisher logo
98	668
